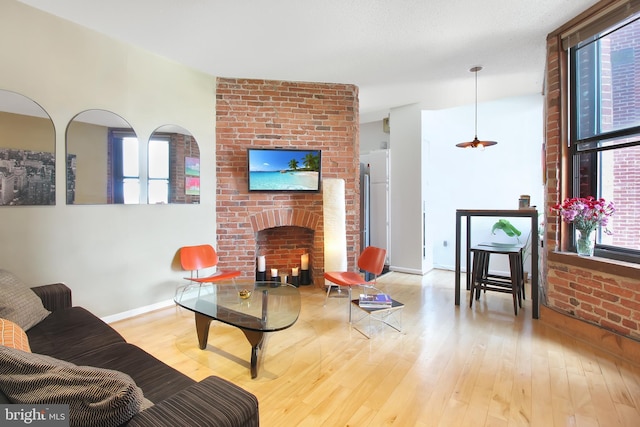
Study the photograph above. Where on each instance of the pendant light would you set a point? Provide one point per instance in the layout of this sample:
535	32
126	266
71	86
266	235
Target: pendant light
476	143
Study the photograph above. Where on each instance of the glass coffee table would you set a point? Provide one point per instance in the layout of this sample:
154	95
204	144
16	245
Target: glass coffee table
267	307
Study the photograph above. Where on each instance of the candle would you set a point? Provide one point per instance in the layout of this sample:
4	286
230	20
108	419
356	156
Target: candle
304	261
262	265
294	271
274	272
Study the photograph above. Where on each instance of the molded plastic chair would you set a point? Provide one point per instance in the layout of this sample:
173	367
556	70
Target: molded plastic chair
196	258
371	261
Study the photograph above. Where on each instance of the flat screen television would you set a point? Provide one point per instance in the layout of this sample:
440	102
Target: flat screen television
284	169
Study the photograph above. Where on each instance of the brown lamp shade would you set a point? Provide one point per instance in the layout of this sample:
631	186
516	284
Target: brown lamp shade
476	143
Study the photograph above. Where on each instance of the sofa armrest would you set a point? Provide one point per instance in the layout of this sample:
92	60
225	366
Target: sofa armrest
212	402
56	296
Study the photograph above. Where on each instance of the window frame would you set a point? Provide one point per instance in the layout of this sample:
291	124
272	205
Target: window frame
591	146
117	178
166	139
116	137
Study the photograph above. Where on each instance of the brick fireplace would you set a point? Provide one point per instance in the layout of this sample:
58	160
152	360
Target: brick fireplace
282	226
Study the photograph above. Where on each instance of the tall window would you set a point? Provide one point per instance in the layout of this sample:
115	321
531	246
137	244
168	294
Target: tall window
158	170
126	170
605	131
130	171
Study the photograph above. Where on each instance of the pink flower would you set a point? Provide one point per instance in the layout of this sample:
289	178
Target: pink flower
585	212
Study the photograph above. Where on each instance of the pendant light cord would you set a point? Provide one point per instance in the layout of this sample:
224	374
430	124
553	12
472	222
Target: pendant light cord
475	71
476	130
476	143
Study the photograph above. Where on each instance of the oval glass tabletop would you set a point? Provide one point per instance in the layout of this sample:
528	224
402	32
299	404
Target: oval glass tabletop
258	306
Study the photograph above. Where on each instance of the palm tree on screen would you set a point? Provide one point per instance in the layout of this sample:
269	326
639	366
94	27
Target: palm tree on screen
311	162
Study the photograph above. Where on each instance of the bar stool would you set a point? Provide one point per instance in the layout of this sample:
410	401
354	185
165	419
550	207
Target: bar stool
481	279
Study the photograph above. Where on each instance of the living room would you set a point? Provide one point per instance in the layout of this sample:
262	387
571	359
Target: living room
121	260
56	61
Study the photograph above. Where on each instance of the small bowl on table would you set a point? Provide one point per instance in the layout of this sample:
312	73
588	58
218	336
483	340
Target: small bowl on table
244	293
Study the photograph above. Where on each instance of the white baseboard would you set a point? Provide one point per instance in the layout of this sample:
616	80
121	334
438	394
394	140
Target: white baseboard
137	311
407	270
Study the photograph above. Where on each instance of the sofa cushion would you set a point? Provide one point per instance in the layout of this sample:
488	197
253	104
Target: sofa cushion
157	380
96	397
18	303
71	332
12	335
213	402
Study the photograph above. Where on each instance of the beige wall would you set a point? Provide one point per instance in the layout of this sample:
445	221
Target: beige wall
114	257
26	132
89	144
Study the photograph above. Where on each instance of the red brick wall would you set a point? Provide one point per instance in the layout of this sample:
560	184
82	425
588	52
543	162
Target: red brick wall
260	113
282	246
555	134
180	147
609	301
588	291
625	220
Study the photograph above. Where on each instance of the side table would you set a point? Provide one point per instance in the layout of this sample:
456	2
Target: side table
390	316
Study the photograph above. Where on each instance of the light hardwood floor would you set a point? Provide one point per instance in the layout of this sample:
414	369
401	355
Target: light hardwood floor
450	366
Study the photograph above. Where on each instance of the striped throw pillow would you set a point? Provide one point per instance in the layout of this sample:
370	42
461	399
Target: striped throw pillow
96	397
18	303
12	335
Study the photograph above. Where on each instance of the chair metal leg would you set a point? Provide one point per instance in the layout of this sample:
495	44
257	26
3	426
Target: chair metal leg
328	292
340	290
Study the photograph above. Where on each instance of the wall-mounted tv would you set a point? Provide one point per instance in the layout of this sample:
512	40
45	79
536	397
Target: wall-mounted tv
284	169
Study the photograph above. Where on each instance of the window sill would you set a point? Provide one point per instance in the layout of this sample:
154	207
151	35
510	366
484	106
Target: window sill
603	265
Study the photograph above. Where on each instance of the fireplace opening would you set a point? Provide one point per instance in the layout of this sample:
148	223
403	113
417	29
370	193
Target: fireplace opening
283	248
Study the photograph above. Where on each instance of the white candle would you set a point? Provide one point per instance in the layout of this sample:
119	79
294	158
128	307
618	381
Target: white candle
274	272
262	264
294	271
304	261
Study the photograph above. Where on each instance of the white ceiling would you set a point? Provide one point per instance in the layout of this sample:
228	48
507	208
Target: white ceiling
397	52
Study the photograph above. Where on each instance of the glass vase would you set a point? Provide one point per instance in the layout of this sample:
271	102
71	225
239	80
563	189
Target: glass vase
585	242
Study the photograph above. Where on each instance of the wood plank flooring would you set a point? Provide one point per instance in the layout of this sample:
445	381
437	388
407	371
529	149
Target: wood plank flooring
450	366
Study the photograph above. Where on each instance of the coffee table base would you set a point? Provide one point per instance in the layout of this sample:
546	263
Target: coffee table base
255	338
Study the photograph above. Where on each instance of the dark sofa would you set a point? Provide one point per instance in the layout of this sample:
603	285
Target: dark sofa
75	335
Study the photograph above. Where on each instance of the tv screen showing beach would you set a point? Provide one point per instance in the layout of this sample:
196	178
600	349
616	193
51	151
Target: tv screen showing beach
284	170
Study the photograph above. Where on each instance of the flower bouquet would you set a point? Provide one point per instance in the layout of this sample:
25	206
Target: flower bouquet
586	213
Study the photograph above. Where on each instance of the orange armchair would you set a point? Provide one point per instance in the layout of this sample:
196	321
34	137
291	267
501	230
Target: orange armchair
196	258
371	260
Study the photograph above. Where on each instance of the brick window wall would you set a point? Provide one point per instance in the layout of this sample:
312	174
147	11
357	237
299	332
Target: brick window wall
601	292
266	114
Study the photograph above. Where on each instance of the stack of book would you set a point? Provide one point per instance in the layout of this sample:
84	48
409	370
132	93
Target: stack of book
375	301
